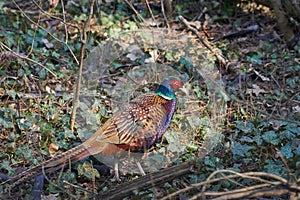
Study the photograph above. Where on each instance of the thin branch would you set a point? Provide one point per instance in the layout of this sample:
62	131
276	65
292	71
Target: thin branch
64	20
288	171
34	35
26	58
82	52
248	193
270	116
203	41
148	181
250	175
151	13
164	14
44	29
136	12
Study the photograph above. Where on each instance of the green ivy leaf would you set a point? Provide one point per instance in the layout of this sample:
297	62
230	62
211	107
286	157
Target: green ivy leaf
53	189
6	123
169	56
258	139
246	139
42	73
87	170
287	134
6	165
240	125
286	151
273	168
211	161
240	149
245	127
297	151
21	72
69	134
174	141
11	93
69	176
294	128
255	58
271	137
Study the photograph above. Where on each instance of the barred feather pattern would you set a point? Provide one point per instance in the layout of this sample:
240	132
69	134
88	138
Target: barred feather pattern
134	128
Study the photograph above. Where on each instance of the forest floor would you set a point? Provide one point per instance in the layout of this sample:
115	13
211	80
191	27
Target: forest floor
236	130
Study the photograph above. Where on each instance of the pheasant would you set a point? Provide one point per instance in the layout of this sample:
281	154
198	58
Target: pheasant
134	128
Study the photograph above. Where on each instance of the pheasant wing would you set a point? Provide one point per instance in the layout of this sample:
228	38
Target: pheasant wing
141	123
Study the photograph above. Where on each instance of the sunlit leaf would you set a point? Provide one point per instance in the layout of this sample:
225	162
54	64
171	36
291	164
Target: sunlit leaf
286	151
271	137
240	149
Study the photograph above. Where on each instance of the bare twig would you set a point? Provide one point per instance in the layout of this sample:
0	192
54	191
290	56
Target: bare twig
26	58
249	192
164	14
34	34
270	116
148	181
44	29
82	51
279	184
288	171
200	14
150	11
203	41
136	12
250	175
64	20
167	7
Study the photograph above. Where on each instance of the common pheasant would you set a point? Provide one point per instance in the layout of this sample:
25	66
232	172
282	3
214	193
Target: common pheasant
134	128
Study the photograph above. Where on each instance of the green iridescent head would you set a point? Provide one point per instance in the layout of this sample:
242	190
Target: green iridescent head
165	90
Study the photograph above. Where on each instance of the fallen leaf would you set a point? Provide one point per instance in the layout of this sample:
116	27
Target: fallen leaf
53	148
256	90
47	43
261	76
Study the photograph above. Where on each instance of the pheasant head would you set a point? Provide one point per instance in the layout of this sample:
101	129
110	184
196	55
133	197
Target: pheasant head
165	90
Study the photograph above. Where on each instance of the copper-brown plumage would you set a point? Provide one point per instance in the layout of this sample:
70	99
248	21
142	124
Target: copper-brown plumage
135	127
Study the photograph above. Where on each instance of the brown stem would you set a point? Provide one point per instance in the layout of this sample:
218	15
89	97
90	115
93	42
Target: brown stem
147	181
79	77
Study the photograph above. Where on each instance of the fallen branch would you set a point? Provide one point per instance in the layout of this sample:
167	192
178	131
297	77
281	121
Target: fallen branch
203	41
147	181
266	185
2	45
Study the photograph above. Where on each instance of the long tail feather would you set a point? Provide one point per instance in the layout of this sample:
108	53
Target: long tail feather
75	154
